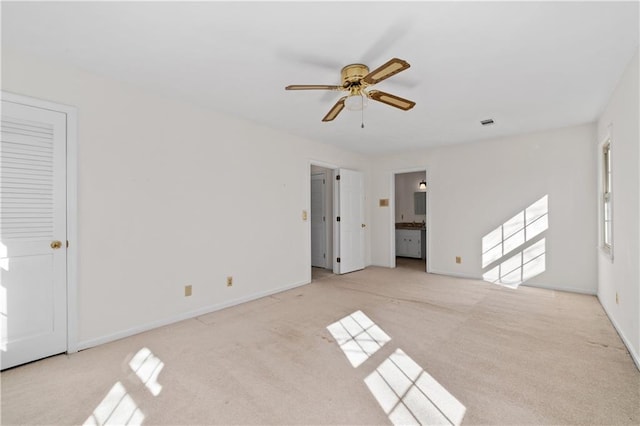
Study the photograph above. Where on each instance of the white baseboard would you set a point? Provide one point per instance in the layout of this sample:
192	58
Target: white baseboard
454	274
556	288
634	355
86	344
538	285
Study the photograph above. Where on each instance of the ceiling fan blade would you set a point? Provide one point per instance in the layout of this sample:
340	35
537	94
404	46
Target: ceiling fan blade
335	110
393	100
392	67
313	87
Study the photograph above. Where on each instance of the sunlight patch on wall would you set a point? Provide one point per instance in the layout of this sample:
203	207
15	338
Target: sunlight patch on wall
147	367
4	259
358	337
117	408
521	228
517	233
409	395
3	319
4	265
519	268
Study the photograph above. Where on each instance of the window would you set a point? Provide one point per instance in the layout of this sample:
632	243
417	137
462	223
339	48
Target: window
607	216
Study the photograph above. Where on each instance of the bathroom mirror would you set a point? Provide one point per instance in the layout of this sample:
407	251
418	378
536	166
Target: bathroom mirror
420	202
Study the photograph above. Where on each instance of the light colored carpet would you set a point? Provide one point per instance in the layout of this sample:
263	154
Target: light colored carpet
320	273
525	356
410	263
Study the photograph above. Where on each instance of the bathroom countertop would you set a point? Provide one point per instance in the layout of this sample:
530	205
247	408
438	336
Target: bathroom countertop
411	225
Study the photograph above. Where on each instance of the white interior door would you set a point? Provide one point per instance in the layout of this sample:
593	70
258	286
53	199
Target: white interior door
318	221
349	208
33	294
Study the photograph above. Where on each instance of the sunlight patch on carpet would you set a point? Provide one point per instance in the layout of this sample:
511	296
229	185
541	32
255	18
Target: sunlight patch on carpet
147	367
409	395
358	337
117	408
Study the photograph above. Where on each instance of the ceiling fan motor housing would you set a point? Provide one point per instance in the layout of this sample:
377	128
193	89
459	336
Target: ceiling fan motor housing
352	74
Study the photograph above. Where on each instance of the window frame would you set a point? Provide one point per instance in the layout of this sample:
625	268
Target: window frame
606	200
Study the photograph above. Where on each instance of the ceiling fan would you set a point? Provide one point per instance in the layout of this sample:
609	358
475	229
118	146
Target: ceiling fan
356	79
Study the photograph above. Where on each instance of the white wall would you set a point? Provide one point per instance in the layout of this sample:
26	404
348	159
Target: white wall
473	188
171	194
622	275
406	184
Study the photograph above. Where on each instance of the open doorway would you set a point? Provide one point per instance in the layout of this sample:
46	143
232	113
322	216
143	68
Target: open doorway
321	213
410	219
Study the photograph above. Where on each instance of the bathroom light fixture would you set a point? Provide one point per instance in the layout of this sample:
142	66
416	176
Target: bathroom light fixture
423	185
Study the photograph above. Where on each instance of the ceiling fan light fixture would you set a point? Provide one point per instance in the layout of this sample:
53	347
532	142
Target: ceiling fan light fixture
356	102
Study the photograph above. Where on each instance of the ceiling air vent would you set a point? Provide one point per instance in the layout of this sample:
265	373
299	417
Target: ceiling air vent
487	122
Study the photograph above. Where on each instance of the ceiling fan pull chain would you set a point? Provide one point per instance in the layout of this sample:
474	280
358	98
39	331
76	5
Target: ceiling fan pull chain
362	110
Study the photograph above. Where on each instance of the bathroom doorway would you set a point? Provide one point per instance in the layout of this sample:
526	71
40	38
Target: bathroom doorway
410	219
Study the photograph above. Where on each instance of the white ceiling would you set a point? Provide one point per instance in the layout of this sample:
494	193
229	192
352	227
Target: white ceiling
528	65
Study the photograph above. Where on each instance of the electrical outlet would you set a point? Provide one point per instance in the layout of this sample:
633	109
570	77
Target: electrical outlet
187	290
458	259
617	300
304	215
229	281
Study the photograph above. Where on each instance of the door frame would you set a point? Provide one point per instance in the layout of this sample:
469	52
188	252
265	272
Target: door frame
307	180
72	205
322	176
392	215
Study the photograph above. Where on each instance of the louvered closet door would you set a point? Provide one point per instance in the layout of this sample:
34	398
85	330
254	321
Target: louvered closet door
33	207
